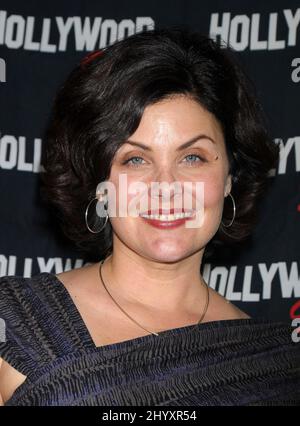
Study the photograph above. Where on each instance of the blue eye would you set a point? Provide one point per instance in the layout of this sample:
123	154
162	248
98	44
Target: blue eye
132	160
133	163
194	156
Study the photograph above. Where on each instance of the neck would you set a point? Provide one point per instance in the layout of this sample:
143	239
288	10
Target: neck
161	286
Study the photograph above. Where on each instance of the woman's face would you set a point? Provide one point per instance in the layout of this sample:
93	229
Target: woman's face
164	127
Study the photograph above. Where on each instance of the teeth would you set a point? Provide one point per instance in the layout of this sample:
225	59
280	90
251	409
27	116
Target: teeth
167	217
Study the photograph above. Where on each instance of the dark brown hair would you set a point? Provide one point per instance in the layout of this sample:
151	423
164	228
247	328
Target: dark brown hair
101	104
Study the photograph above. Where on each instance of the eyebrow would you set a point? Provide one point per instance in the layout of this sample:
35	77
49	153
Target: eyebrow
180	148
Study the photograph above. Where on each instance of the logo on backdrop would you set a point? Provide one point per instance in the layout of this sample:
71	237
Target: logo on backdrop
289	158
86	33
257	31
12	265
18	153
223	279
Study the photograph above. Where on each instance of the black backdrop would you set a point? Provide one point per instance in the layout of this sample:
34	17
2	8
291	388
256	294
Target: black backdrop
40	42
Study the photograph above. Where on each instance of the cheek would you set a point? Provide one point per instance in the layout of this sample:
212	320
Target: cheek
214	191
213	206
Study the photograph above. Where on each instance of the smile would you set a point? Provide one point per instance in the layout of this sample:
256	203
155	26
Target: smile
160	219
167	217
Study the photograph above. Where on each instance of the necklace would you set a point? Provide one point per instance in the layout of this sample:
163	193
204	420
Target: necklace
132	319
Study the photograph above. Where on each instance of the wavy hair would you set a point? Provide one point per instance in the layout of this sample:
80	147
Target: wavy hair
101	104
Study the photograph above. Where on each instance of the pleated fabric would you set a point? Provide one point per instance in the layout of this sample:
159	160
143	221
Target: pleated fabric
227	362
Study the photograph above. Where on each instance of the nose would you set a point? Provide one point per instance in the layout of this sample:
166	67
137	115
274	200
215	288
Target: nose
163	183
164	173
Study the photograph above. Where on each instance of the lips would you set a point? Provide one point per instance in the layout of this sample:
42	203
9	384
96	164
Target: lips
166	224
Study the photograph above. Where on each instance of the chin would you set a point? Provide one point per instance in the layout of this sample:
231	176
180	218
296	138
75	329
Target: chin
167	259
171	256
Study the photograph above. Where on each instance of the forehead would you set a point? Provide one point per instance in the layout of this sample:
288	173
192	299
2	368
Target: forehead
177	104
176	119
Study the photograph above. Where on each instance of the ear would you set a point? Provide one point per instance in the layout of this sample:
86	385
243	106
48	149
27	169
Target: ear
228	185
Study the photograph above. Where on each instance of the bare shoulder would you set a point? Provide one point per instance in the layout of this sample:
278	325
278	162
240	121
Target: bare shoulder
222	309
238	313
78	276
82	287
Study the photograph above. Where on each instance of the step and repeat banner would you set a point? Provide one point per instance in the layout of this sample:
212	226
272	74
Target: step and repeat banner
40	43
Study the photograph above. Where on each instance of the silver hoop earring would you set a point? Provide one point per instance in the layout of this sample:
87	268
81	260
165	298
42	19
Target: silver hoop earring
86	218
234	209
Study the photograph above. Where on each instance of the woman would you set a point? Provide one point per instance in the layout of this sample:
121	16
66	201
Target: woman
139	325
